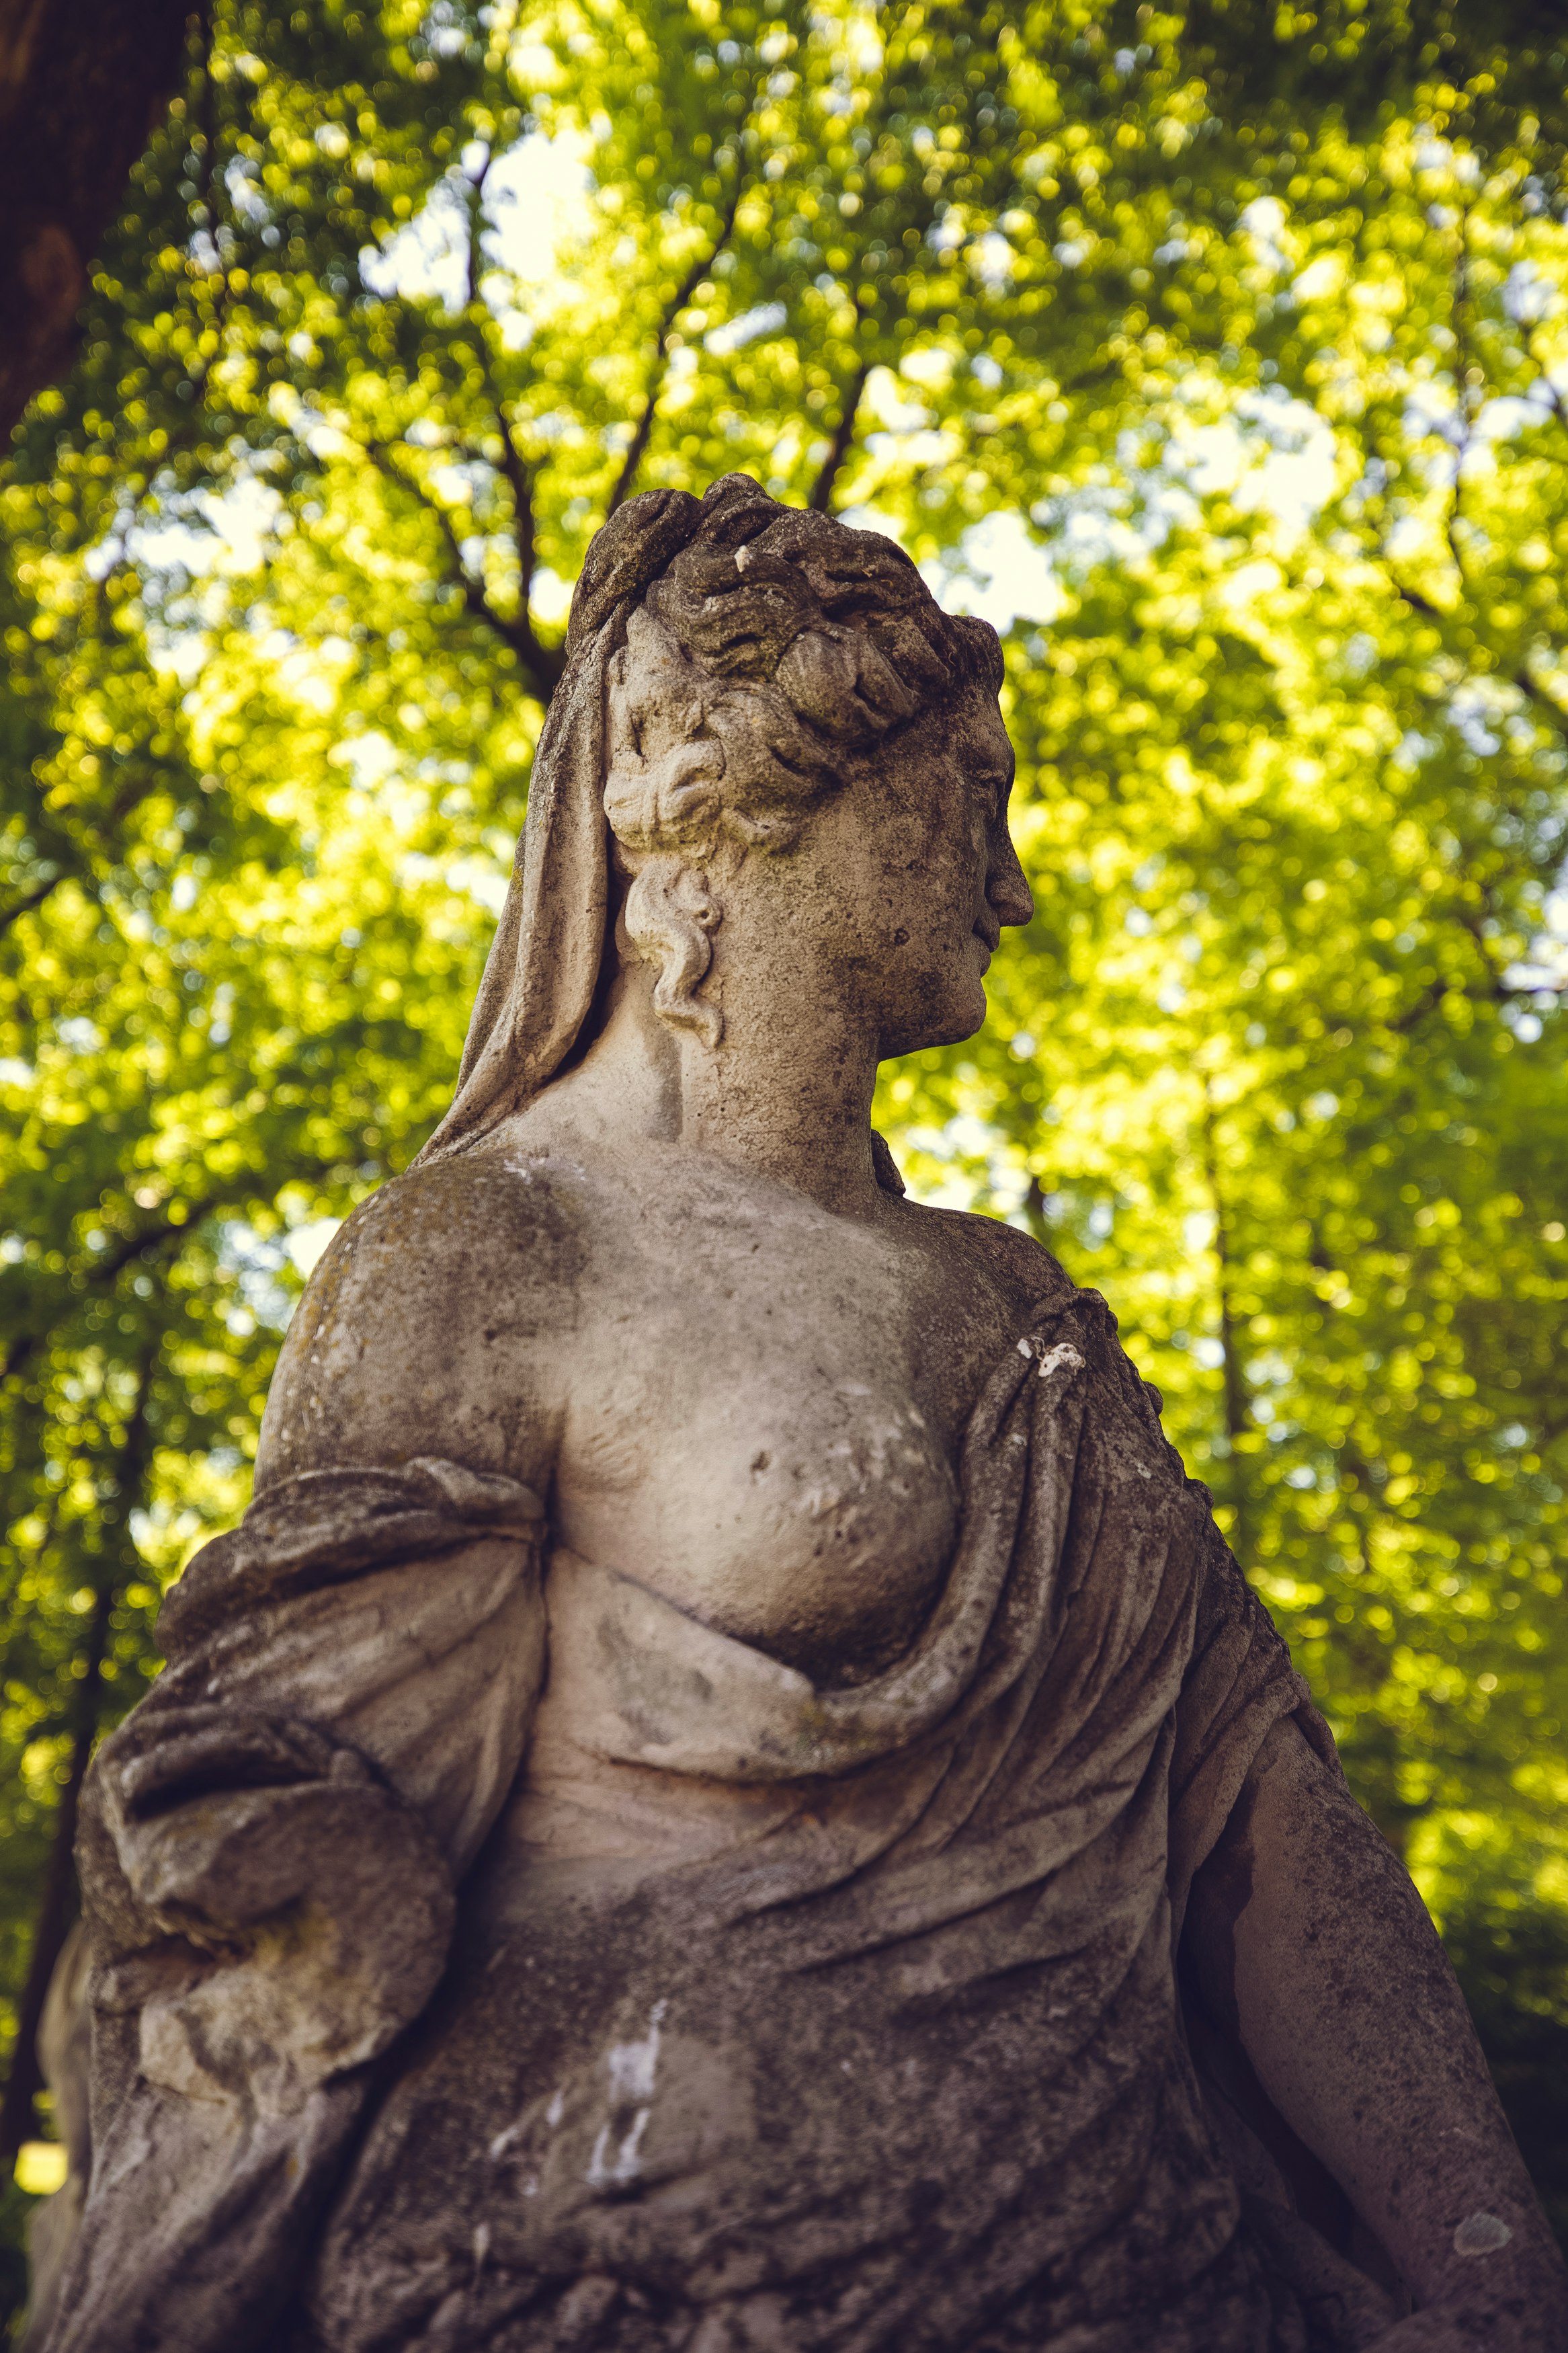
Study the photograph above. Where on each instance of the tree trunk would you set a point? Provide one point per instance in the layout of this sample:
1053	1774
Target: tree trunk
82	84
1238	1422
56	1902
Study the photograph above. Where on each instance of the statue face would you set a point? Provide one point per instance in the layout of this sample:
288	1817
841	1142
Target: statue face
909	875
882	875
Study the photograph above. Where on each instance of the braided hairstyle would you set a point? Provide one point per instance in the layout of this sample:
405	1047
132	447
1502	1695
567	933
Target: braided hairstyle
774	649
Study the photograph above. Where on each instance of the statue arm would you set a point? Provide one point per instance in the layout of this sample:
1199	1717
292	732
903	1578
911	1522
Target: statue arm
270	1851
382	1595
1311	1944
272	1843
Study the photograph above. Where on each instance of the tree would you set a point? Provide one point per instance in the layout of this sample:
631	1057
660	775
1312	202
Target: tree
81	84
1251	358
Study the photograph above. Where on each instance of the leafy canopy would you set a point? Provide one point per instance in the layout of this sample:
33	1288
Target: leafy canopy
1221	355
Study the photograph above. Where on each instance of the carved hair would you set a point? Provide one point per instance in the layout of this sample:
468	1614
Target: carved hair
752	653
775	650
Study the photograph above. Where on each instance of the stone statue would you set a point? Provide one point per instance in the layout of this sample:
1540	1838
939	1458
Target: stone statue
727	1794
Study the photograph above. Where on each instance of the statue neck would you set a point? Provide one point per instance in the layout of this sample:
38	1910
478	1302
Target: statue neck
786	1093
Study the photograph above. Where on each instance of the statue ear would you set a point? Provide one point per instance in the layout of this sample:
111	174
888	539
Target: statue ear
669	803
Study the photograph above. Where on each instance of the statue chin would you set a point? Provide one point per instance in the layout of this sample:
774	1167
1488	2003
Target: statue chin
964	1016
728	1791
955	1031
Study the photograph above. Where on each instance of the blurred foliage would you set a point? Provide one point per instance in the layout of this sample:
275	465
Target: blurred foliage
1221	355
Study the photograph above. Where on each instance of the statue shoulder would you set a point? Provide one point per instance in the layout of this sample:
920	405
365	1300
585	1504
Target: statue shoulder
432	1325
475	1218
1022	1268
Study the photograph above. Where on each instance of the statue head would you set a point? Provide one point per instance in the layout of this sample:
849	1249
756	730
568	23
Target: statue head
752	690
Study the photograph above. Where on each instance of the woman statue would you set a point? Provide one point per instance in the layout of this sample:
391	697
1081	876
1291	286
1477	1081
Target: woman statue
727	1794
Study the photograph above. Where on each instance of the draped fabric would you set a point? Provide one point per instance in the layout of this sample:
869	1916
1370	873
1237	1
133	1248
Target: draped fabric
768	2015
269	1850
545	959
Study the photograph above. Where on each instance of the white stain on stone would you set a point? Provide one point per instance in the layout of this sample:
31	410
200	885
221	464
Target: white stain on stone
633	2069
1481	2234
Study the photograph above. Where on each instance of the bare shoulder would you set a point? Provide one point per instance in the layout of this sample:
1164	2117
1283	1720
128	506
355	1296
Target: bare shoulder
997	1255
433	1323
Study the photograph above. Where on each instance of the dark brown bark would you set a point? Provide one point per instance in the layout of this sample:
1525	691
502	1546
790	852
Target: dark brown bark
841	443
57	1903
83	85
1238	1419
637	448
58	1897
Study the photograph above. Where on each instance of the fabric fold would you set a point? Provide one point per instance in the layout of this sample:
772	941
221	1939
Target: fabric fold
269	1849
491	1956
847	2021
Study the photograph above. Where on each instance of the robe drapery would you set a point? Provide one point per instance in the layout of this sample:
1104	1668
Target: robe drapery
488	1954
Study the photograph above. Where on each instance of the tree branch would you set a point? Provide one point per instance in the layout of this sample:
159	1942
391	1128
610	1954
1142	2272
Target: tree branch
843	439
1470	925
475	202
1462	387
103	1267
548	661
519	479
542	664
1431	996
1239	1418
77	856
57	1901
1237	1406
1414	597
208	118
1547	705
1553	397
637	448
1550	709
28	902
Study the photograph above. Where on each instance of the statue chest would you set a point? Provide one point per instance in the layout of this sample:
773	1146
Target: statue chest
773	1456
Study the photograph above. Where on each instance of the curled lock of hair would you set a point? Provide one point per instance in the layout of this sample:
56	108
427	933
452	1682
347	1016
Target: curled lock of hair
670	916
784	643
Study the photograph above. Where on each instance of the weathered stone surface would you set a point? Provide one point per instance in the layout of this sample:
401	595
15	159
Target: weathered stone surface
728	1792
